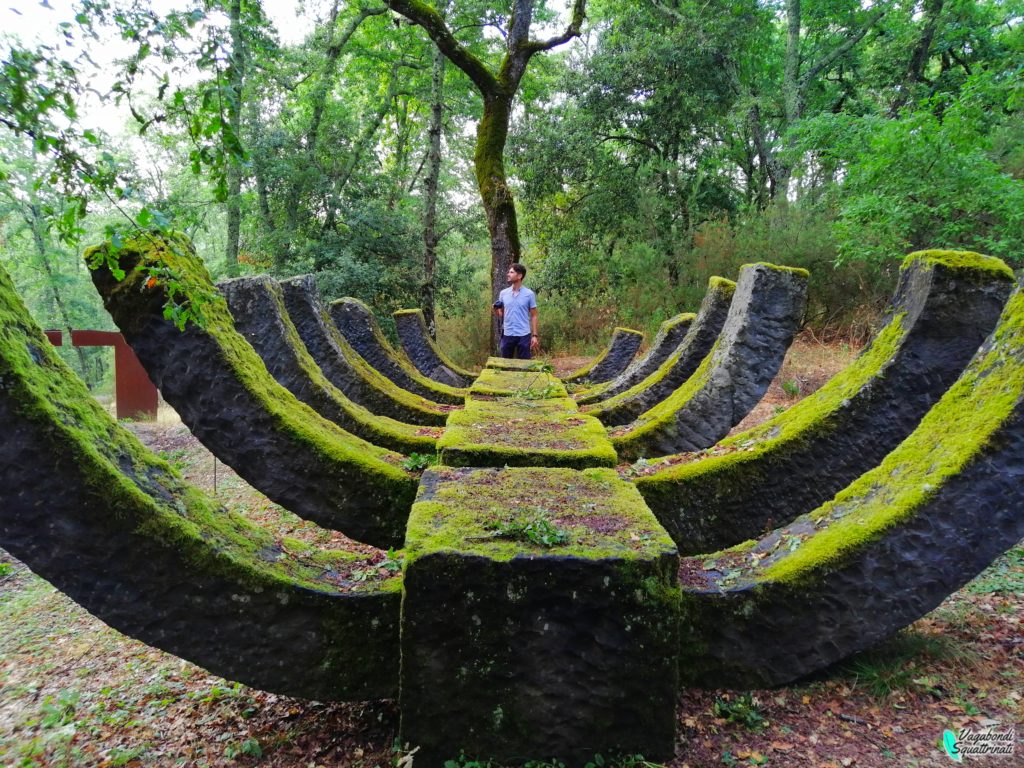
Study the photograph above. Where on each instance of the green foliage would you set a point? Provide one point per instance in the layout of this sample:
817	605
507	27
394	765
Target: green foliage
417	462
893	666
743	710
532	528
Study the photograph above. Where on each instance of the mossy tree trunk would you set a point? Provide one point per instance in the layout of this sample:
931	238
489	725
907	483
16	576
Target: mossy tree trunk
430	233
498	89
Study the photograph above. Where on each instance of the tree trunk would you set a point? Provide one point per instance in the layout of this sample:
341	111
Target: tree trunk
499	206
430	238
236	75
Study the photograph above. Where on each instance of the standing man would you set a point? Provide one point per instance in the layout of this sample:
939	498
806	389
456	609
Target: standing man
517	308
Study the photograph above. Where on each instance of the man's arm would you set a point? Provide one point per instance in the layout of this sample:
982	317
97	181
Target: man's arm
534	338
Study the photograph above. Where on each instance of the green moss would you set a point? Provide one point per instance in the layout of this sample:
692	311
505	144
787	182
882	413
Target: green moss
604	516
966	262
954	434
133	301
451	394
586	369
509	364
518	432
799	271
807	419
493	382
142	492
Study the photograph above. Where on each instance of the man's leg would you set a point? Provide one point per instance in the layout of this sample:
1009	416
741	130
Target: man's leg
507	346
523	347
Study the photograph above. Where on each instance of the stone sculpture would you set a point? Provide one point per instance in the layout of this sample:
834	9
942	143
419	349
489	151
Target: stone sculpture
612	361
424	353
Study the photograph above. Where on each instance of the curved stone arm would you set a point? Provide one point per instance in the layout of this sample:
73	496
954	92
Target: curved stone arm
680	365
614	360
357	324
945	305
223	392
884	552
763	318
344	367
424	354
258	309
88	508
670	335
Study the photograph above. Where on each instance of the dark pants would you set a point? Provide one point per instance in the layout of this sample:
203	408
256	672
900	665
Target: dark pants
516	346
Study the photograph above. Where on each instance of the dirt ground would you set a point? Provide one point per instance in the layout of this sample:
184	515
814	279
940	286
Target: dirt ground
73	692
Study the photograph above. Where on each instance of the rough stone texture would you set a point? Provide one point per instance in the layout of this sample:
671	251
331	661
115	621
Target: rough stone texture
752	482
613	361
511	651
673	373
885	551
670	335
89	509
357	324
497	382
344	367
424	353
257	307
515	432
765	314
219	386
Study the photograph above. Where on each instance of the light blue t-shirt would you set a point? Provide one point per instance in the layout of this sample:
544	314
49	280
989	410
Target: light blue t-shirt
517	310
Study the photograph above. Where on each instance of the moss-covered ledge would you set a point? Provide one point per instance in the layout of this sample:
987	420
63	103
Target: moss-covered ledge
346	368
526	384
514	364
156	559
517	432
257	307
670	335
885	551
539	615
945	305
358	325
219	386
615	358
424	354
765	313
629	404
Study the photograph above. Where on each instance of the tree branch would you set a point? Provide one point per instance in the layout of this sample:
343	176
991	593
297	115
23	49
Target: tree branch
579	8
425	16
851	40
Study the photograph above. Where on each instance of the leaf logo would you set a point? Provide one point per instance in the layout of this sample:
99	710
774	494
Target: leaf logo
949	742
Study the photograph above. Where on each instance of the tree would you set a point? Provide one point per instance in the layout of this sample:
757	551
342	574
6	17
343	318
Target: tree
498	89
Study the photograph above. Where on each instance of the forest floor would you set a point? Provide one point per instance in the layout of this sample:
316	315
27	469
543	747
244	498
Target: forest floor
74	692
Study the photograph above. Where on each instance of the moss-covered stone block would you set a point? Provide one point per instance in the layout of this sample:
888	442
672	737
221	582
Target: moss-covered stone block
357	324
885	551
517	432
114	527
529	384
222	390
670	335
346	368
424	354
625	406
513	649
257	306
512	364
945	305
765	314
616	357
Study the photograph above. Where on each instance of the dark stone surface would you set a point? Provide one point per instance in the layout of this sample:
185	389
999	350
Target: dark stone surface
223	393
769	633
670	335
765	314
945	314
343	367
257	305
359	327
424	354
614	360
86	507
542	655
695	346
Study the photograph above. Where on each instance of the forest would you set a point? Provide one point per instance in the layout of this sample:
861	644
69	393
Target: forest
405	153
